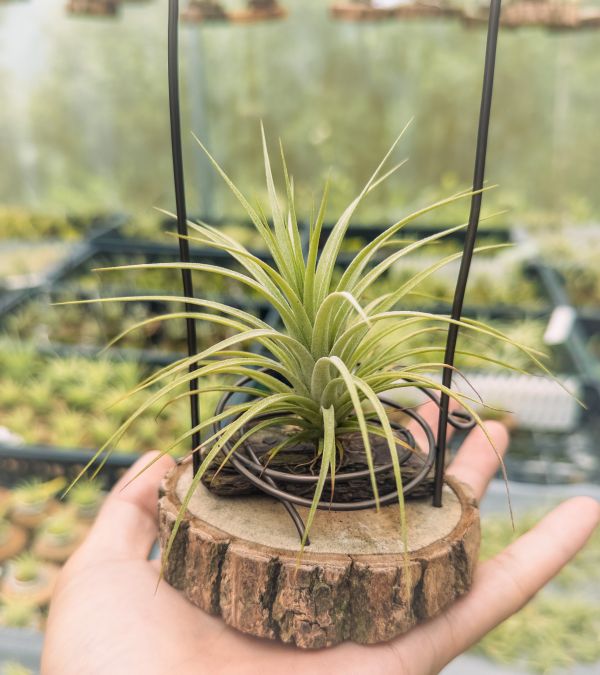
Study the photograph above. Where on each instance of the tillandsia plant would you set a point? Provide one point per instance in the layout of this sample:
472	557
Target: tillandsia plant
19	613
86	498
322	372
31	500
26	568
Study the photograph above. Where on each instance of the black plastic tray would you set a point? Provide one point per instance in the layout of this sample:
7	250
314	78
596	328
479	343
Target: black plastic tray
18	462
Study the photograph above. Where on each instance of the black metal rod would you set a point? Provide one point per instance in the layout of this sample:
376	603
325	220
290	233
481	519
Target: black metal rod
471	235
178	180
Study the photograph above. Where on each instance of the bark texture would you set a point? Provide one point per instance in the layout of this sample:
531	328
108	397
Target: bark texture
326	598
300	460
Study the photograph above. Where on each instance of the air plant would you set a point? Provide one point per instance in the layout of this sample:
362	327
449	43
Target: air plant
39	395
15	668
17	360
27	577
322	372
17	223
58	537
69	428
19	613
11	394
26	568
32	499
86	498
60	528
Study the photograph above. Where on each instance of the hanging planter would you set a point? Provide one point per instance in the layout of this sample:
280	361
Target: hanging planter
310	434
295	432
376	10
198	11
343	526
540	13
93	7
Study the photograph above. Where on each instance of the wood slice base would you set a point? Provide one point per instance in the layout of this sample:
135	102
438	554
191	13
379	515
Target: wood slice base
238	558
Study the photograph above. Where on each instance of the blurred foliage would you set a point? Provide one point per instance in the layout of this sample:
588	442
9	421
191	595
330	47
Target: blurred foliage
561	625
77	402
543	144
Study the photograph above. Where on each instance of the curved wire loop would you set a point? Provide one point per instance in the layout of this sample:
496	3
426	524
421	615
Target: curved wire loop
277	482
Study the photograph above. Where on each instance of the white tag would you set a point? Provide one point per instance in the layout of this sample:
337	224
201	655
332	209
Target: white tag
560	325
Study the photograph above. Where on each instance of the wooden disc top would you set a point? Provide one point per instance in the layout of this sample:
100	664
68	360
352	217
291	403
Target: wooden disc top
264	521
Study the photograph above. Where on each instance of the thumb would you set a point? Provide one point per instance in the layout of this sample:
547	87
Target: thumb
126	526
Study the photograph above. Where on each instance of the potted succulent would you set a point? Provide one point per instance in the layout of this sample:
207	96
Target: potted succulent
32	500
15	668
19	613
265	9
86	498
553	14
28	578
12	538
204	10
368	10
214	10
58	537
303	418
93	7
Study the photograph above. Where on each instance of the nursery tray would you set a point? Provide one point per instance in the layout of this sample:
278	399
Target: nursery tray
99	228
19	462
155	352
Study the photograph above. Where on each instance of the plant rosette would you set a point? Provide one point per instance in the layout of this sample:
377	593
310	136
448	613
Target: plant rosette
303	415
29	579
32	501
19	613
85	499
15	668
58	537
12	539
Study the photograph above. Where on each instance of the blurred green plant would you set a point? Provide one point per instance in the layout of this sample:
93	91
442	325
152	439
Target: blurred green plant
559	627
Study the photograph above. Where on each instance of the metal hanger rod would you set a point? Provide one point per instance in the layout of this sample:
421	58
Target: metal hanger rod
184	249
471	235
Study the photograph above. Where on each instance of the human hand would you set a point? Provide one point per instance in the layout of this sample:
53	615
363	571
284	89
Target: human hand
107	618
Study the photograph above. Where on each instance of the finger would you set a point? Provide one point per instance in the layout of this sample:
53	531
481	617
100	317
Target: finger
430	413
477	459
507	582
126	526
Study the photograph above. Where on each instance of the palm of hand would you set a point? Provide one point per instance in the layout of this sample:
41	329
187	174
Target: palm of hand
108	617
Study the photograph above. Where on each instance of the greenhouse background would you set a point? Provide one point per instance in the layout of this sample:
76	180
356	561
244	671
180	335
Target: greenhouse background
86	162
